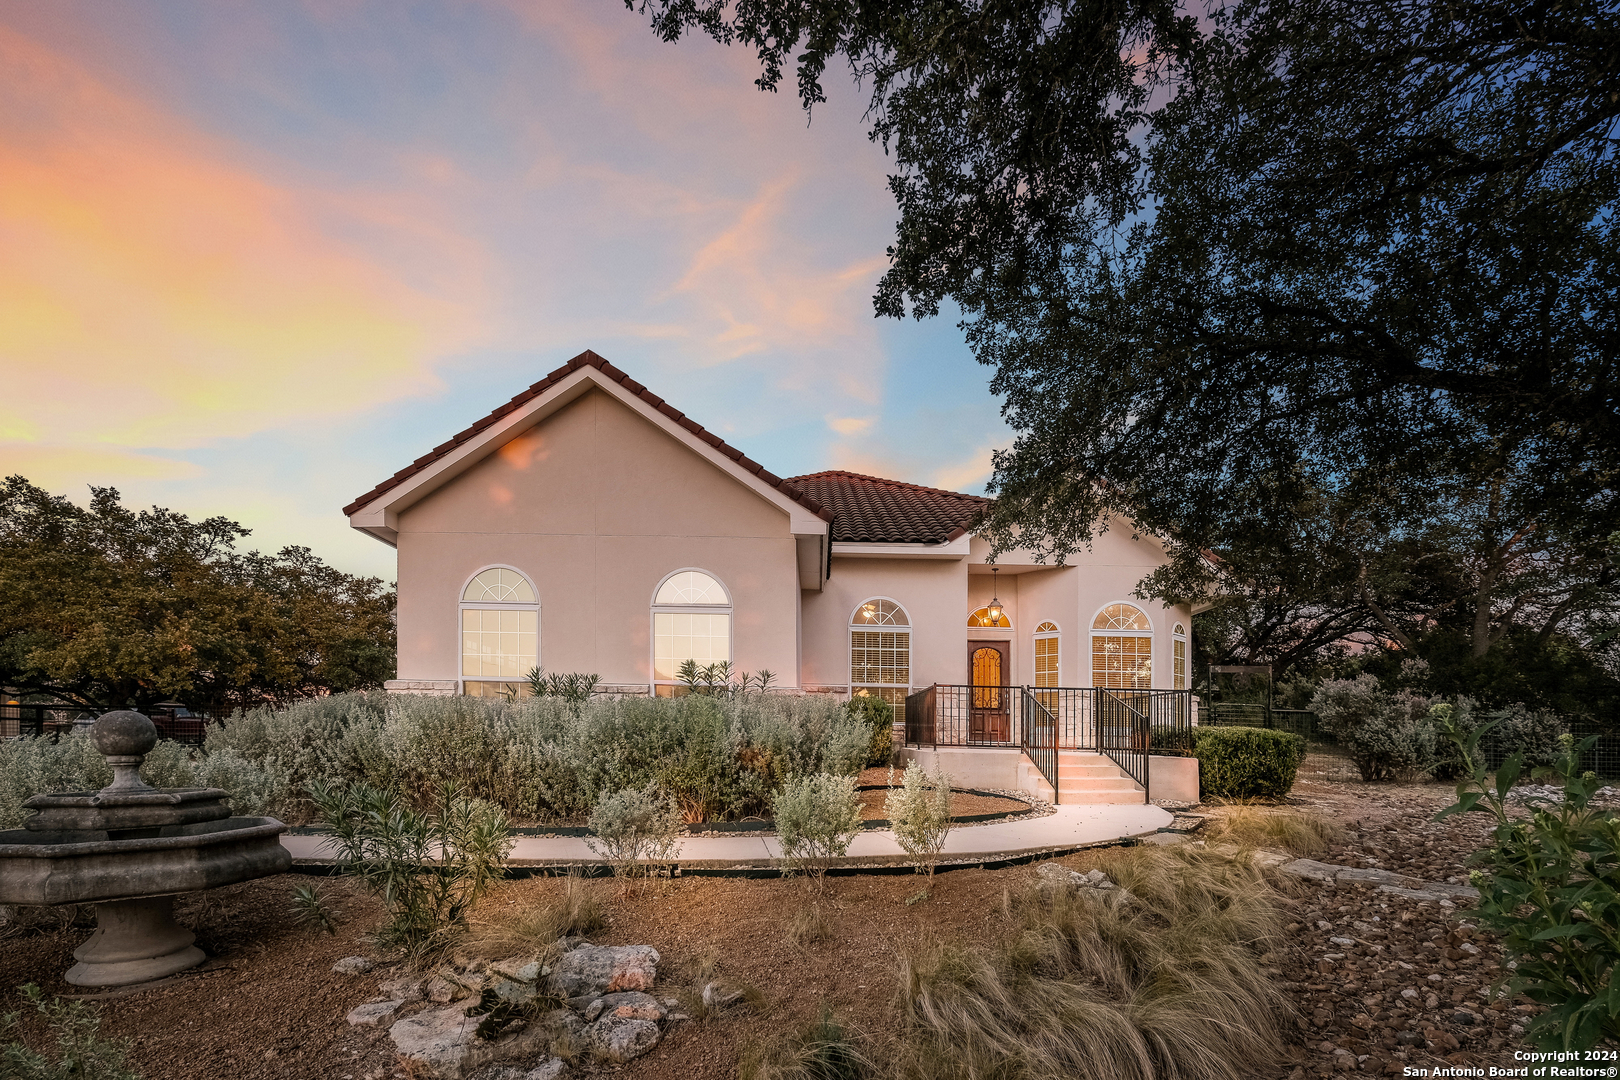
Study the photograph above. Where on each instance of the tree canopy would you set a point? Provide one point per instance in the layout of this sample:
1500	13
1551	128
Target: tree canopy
103	606
1342	270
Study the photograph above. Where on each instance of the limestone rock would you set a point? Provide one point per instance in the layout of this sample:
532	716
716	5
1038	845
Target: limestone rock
439	990
439	1038
632	1005
1310	868
550	1069
354	965
621	1040
374	1013
716	996
601	969
516	985
593	1010
562	1022
405	987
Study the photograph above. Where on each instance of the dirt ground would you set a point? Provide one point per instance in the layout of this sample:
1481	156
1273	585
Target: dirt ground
267	1004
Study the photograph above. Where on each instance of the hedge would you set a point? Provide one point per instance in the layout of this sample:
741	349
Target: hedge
1242	762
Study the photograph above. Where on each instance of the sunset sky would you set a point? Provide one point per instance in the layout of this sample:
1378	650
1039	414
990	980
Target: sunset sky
254	257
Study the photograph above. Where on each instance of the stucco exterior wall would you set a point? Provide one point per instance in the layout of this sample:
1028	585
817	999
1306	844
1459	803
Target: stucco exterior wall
934	594
596	506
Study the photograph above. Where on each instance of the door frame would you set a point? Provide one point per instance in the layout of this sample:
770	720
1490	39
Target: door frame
992	723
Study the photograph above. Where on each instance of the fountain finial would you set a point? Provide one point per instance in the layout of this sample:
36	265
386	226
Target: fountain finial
124	739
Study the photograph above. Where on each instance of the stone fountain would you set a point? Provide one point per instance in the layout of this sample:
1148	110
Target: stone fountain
129	849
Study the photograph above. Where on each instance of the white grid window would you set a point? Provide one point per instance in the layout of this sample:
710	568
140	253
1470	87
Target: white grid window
1122	648
880	659
500	631
691	621
1046	654
1178	660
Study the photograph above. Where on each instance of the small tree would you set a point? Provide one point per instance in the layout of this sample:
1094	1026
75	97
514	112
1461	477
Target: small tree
429	867
637	830
919	812
1548	887
816	818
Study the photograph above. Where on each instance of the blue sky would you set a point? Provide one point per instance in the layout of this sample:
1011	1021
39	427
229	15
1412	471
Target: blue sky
255	257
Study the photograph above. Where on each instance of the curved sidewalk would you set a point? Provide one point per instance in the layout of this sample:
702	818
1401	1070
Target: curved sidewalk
1065	829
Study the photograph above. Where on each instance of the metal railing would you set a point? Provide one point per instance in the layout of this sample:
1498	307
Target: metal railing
1040	731
1123	733
1127	725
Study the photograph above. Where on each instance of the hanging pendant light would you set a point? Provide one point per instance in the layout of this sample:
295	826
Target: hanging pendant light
994	610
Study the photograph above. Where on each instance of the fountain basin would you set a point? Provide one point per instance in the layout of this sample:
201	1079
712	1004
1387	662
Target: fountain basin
128	849
43	867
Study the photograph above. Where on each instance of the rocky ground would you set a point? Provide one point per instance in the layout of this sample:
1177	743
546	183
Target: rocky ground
1384	980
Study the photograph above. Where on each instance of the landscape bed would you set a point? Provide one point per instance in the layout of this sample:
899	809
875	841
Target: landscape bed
268	1005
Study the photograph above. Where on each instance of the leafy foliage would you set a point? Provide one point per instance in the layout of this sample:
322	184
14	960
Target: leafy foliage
104	606
29	766
1388	736
879	714
1358	255
428	867
919	813
638	831
1241	763
545	758
572	687
816	818
1549	887
81	1053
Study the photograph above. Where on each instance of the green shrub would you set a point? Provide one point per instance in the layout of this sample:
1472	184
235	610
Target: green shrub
1239	762
81	1053
816	818
879	716
34	765
639	832
1168	739
546	758
919	812
1548	888
428	867
1389	736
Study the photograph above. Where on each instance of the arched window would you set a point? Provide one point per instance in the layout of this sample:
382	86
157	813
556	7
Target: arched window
500	632
1178	658
982	618
691	621
880	653
1122	648
1046	654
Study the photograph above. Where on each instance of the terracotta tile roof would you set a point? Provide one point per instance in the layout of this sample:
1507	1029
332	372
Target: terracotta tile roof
871	510
590	359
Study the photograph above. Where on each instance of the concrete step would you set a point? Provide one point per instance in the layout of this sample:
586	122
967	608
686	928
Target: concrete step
1096	783
1135	797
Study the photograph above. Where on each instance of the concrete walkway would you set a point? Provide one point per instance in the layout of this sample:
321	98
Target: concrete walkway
1067	827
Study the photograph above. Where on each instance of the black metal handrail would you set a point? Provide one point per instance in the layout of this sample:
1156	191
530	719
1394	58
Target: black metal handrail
1040	731
1123	733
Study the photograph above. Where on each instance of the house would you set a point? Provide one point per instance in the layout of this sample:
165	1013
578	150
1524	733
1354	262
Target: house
588	525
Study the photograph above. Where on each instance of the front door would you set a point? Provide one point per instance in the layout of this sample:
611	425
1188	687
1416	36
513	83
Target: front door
989	716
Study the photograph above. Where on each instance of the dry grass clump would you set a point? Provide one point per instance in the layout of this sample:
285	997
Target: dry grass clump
1164	986
530	929
823	1050
809	925
1294	831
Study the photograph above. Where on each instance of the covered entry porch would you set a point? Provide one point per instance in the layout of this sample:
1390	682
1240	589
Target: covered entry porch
1079	741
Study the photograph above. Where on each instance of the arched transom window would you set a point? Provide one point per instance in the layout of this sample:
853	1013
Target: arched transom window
691	621
1046	654
880	653
500	631
982	618
1122	648
1178	659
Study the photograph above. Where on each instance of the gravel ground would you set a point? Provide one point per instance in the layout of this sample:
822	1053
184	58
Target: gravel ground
1383	982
